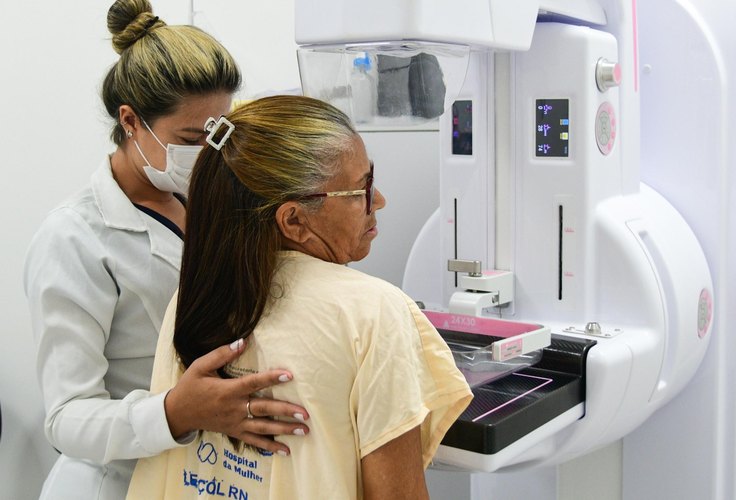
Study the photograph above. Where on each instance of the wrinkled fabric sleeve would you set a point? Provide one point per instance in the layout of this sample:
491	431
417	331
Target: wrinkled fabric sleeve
406	377
72	296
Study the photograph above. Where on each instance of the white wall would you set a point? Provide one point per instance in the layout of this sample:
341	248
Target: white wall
260	35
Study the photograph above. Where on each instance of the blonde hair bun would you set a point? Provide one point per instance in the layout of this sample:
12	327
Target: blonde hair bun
130	20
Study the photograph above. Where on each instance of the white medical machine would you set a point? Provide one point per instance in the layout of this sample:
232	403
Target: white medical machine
542	218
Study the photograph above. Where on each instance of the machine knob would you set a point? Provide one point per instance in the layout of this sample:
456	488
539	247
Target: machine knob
593	328
607	74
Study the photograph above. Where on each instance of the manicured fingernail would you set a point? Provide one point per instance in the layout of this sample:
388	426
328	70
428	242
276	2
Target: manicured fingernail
284	377
236	345
299	417
282	453
299	432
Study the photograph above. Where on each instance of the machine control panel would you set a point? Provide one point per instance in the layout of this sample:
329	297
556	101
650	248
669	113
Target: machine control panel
605	127
553	128
462	128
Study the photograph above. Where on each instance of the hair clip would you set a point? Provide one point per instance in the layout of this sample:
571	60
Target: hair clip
212	126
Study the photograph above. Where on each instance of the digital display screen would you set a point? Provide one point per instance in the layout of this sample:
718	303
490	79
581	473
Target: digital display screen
553	127
462	128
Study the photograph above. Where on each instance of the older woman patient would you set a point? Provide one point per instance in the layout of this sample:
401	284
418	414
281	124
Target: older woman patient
280	200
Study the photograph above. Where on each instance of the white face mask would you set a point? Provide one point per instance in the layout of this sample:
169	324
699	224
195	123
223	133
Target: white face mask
180	160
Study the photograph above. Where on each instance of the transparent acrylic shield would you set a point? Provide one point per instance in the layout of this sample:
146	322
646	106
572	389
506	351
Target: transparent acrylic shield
385	84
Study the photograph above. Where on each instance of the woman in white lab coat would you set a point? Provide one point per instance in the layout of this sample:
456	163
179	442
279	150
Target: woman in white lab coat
104	265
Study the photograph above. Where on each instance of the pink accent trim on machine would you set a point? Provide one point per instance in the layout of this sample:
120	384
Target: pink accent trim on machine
636	45
481	326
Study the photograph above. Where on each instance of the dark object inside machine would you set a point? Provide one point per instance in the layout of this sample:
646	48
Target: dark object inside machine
511	407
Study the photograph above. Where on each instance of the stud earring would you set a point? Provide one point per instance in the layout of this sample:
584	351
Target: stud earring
129	133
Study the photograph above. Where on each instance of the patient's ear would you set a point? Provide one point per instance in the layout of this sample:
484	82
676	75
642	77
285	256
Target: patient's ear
291	220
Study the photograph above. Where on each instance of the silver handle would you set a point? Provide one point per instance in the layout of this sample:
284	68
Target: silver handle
472	267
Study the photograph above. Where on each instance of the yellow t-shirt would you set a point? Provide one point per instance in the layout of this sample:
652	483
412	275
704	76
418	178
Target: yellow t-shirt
368	367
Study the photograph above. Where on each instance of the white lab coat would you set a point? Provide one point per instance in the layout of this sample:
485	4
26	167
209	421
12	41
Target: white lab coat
98	276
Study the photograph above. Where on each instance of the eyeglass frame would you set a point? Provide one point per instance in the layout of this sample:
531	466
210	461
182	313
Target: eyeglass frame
368	191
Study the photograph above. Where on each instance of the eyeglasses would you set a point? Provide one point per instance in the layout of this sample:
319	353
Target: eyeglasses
367	191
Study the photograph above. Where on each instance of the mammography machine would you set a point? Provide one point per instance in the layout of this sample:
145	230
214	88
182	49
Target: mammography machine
542	218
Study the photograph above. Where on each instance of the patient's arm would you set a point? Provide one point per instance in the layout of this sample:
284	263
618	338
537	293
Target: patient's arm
395	471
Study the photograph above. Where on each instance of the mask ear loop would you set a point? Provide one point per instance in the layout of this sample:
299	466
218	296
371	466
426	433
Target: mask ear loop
153	134
213	126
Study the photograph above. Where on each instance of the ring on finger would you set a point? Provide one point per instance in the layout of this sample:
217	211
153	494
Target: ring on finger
247	409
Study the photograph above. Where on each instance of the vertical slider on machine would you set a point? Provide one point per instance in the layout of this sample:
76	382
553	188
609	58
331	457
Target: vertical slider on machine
560	236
